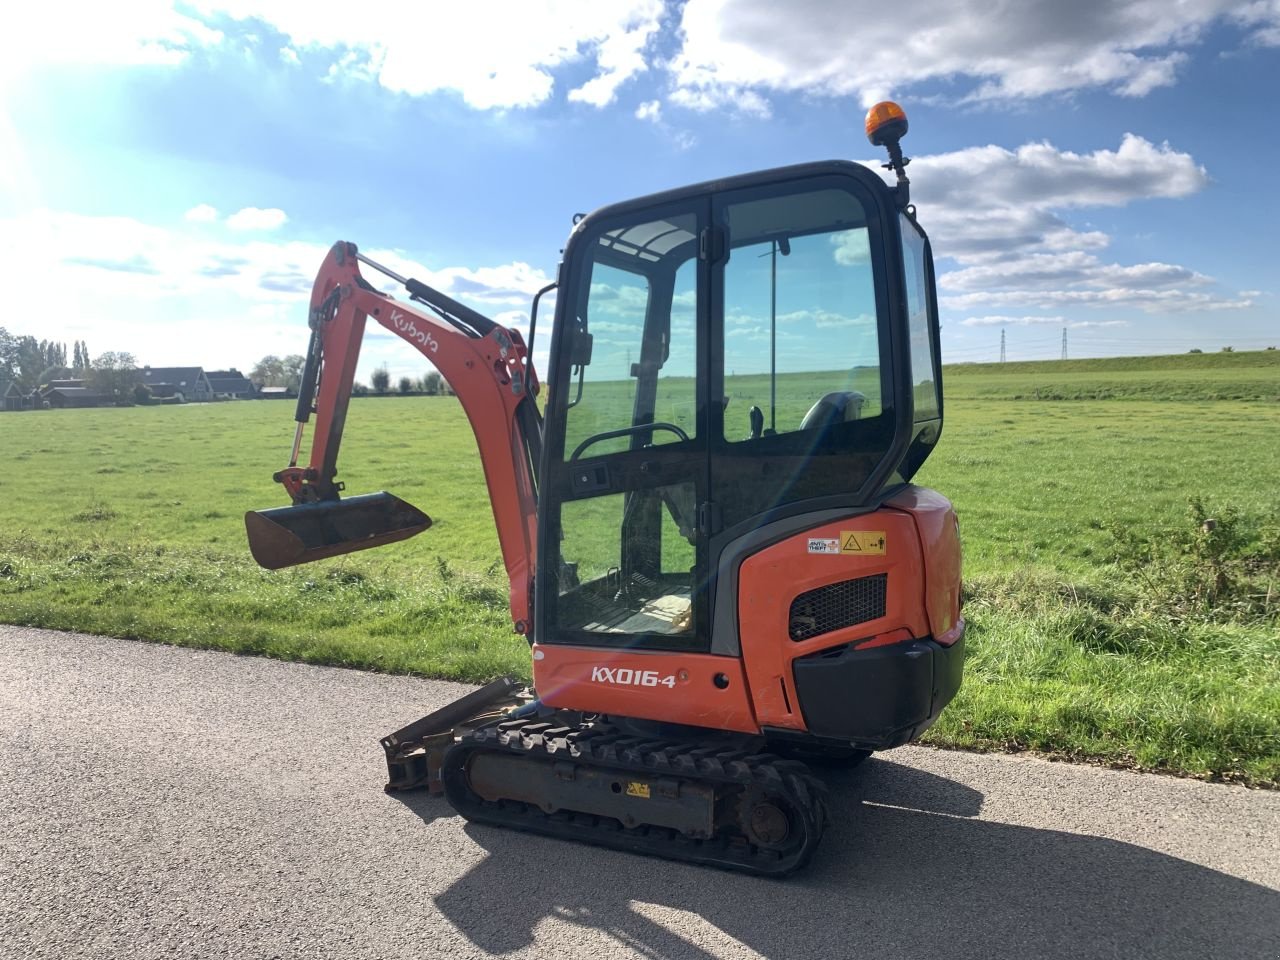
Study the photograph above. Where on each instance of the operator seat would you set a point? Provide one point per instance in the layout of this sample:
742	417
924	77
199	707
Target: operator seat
840	406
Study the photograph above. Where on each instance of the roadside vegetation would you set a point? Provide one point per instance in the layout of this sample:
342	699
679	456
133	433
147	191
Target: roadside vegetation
1122	550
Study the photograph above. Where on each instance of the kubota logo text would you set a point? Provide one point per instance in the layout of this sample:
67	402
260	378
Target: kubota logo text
411	332
626	677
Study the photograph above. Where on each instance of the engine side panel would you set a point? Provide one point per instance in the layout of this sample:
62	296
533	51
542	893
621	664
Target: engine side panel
882	542
939	531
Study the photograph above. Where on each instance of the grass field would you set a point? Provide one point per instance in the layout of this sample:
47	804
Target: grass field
1108	620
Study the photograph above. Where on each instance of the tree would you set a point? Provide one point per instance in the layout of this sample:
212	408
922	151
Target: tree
268	372
53	373
30	360
430	384
272	371
292	368
54	354
141	393
25	359
405	385
381	379
8	353
115	374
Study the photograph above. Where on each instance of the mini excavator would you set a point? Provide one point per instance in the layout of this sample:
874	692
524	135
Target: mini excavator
713	544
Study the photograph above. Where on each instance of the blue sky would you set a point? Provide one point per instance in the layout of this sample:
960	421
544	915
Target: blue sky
172	173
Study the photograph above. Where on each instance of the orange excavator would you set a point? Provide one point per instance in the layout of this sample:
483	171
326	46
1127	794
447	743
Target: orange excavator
713	544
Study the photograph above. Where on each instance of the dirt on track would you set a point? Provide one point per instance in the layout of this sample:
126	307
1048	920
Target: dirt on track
164	802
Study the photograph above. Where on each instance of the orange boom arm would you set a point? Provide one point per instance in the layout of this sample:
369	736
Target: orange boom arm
486	365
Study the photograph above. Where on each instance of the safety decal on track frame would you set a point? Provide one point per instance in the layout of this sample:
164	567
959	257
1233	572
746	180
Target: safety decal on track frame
870	542
823	545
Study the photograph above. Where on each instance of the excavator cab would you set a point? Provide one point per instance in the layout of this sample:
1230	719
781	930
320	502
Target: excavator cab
732	357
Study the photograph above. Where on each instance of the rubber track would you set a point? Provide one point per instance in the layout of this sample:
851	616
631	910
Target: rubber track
604	747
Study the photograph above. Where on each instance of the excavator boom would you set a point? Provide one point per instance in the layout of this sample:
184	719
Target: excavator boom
486	364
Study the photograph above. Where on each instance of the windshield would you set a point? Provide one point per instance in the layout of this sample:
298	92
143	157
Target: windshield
800	329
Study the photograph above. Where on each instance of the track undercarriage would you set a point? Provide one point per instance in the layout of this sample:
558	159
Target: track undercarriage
719	801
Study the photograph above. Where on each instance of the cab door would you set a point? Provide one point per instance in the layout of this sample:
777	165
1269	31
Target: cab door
804	346
624	558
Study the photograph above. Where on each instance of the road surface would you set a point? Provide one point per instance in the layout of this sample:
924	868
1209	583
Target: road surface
170	803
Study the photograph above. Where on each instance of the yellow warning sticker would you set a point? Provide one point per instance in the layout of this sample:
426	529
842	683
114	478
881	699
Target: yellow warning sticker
871	542
635	789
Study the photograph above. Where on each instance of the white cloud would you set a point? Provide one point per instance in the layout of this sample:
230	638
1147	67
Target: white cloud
1038	271
256	218
684	139
620	52
495	56
651	110
1001	215
733	53
1041	176
852	247
1040	47
201	213
140	32
1150	301
1001	321
183	296
737	98
1263	18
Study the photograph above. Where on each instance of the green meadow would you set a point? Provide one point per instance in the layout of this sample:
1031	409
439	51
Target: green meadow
1120	519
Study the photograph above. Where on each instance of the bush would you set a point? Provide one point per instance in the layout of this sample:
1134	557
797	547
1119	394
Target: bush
1218	566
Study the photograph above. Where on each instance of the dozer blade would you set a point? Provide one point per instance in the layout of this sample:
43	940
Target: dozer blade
415	752
288	536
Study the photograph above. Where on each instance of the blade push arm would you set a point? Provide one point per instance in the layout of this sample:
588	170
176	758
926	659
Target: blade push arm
484	363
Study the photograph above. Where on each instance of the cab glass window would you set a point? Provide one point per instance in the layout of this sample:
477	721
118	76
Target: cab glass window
638	316
801	336
924	383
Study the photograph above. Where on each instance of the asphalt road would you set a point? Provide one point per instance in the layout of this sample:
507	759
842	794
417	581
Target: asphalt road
159	802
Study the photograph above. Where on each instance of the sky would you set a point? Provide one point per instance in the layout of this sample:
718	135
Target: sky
171	174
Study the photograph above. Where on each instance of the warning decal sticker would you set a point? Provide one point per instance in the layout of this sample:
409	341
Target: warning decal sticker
870	542
818	545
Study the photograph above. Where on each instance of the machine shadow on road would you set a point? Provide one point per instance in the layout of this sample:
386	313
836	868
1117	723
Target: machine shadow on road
904	871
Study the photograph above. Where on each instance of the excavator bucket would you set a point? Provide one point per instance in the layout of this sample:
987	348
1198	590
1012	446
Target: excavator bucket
288	536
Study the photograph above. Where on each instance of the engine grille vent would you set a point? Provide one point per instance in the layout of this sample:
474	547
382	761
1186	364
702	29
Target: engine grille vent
837	605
